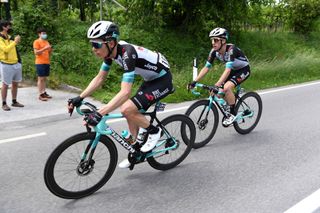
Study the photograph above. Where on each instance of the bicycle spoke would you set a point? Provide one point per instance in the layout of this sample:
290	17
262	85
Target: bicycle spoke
66	167
249	112
205	120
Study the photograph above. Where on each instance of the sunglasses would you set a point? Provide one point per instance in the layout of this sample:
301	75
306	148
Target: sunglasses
215	40
96	44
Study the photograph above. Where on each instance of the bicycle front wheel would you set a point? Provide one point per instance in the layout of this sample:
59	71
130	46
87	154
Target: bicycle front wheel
250	105
206	121
178	131
67	177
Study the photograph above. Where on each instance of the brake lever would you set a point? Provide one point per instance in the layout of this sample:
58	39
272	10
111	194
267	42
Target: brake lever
88	128
70	110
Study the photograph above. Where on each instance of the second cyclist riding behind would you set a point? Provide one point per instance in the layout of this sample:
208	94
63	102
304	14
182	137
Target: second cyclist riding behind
236	71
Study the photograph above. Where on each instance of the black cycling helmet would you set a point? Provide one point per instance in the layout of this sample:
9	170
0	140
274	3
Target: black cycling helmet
105	30
220	33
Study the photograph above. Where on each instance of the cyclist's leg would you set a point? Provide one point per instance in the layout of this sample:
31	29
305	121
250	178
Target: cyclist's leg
148	94
235	78
143	99
134	118
229	96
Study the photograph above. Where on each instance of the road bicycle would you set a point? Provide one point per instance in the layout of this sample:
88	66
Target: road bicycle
204	113
83	163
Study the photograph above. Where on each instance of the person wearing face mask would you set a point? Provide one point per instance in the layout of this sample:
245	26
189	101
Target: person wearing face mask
42	50
10	67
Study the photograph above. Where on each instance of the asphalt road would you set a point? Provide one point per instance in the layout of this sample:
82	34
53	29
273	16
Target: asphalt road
268	170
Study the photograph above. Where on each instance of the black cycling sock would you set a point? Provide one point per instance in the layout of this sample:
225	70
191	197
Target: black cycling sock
14	101
152	129
232	109
4	103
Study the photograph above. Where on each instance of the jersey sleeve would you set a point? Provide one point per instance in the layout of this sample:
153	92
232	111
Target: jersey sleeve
210	59
106	64
232	56
129	58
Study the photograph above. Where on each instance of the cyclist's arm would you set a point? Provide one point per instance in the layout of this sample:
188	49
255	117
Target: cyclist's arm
119	99
223	77
122	96
95	83
207	66
229	66
202	73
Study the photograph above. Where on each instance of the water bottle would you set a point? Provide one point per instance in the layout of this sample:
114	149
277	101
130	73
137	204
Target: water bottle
141	135
221	101
127	136
219	97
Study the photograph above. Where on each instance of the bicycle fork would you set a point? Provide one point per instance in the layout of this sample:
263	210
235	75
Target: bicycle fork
202	123
86	165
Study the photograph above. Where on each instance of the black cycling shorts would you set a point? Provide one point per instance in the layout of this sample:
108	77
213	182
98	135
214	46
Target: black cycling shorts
239	76
152	91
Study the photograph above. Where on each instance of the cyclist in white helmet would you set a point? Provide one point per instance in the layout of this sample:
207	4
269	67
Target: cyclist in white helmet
236	71
151	66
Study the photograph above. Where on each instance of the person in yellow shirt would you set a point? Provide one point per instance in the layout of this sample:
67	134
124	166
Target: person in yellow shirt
42	50
10	68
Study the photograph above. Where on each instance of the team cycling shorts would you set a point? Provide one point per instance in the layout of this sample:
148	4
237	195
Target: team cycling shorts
239	76
152	91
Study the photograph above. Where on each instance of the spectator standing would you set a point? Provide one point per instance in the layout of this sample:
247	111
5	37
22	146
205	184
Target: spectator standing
42	50
10	68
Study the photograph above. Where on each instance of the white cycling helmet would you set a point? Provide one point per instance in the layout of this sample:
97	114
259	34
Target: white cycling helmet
219	32
105	30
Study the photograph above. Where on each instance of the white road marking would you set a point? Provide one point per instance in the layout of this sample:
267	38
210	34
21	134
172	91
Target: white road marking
23	137
290	87
175	109
307	205
169	110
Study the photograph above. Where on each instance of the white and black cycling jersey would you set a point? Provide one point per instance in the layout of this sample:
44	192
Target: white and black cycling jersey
234	58
136	60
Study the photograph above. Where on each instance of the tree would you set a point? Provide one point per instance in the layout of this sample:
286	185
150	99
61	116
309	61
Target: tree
82	10
6	5
302	14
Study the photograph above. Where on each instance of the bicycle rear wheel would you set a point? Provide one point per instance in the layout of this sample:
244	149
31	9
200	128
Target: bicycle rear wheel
67	177
178	131
250	105
205	120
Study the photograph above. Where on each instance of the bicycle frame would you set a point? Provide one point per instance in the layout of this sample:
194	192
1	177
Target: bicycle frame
104	129
214	99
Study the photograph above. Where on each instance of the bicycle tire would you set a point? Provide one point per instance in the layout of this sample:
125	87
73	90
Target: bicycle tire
185	127
64	151
254	102
205	129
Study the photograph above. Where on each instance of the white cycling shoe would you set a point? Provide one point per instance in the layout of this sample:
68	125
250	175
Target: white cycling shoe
124	164
229	120
151	142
